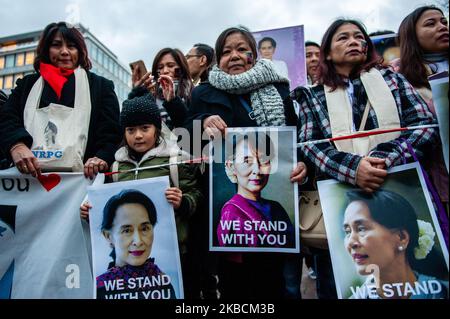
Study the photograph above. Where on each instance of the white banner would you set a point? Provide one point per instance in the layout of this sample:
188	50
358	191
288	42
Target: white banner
43	251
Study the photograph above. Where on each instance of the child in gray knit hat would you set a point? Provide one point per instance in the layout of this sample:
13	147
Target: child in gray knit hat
144	147
140	110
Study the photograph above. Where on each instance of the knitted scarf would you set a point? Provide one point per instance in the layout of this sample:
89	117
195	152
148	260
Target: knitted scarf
266	102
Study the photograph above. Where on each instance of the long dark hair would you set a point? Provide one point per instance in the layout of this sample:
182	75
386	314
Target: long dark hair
394	212
127	196
411	54
185	83
70	34
328	74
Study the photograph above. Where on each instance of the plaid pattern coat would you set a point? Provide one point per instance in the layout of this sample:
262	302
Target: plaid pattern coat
314	124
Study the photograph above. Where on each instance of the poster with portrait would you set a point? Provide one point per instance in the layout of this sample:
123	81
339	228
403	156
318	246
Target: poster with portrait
387	47
286	48
376	240
439	87
134	241
253	204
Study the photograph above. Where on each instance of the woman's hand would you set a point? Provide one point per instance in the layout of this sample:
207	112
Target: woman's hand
93	166
214	124
24	160
299	173
174	196
167	87
147	81
371	173
84	210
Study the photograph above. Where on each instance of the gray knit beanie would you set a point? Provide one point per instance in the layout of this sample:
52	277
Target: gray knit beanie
140	110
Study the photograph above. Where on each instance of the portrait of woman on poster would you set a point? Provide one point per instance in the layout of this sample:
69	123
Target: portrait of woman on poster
128	224
382	230
249	168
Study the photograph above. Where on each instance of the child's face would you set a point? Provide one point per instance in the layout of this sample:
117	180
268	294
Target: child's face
252	170
141	138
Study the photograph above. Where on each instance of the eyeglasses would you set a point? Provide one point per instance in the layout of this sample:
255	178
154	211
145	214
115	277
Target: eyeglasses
188	56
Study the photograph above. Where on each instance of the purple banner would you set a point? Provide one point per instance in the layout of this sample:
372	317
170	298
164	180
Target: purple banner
288	54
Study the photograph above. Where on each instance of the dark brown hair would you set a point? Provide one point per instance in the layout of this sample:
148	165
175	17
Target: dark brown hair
208	52
328	74
185	82
220	42
411	54
69	34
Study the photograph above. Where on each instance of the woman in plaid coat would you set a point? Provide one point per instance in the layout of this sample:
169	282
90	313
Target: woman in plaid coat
357	94
346	54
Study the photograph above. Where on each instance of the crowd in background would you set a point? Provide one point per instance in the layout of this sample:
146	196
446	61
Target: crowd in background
349	89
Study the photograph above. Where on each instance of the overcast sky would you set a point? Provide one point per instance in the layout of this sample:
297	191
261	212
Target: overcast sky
135	29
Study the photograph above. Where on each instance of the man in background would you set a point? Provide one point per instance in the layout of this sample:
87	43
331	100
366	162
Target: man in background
312	50
200	60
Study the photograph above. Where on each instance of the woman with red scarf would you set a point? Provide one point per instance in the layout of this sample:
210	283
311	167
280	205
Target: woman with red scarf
62	118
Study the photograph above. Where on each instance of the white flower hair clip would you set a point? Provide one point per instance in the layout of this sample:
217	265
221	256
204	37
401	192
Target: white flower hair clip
426	239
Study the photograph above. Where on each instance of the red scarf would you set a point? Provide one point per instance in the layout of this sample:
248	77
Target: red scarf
55	77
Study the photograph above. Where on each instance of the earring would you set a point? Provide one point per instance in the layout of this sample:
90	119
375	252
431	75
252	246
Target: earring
400	248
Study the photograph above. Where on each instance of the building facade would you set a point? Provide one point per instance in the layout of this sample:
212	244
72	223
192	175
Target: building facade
17	54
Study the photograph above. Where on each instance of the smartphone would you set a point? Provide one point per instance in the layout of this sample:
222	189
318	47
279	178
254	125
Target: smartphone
138	69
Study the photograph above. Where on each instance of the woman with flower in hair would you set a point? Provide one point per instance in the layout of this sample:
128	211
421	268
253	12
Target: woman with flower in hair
382	231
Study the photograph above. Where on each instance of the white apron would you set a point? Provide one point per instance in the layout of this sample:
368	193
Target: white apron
59	132
341	115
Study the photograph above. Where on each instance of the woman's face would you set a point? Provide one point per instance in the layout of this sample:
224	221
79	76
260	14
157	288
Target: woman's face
63	54
235	55
368	242
267	50
346	46
168	66
131	235
432	32
251	169
141	138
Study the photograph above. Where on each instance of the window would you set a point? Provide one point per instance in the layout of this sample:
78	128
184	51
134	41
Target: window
9	61
100	57
8	82
107	62
94	53
1	82
29	58
2	62
20	59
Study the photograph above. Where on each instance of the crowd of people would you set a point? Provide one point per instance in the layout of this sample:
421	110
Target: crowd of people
228	86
